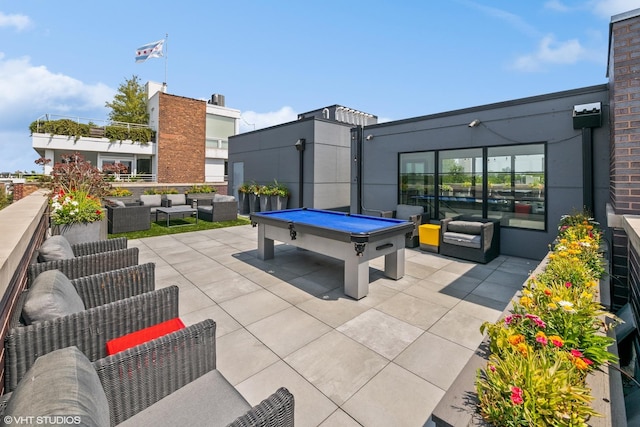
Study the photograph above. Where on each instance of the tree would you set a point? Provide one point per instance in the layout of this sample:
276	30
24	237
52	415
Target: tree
129	105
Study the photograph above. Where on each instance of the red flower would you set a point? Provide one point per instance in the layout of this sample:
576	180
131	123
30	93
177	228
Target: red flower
567	284
576	353
516	395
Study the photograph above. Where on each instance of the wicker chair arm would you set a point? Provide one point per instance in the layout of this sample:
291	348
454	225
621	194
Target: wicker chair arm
98	246
86	265
88	330
103	288
274	411
138	377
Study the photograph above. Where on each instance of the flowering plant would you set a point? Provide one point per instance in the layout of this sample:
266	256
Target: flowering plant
553	337
77	189
75	207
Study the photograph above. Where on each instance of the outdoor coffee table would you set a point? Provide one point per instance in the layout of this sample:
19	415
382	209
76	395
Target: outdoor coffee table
176	210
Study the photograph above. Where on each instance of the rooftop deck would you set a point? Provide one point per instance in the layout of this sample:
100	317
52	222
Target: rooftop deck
385	360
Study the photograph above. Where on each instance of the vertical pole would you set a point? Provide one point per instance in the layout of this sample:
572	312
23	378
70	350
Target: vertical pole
587	169
166	57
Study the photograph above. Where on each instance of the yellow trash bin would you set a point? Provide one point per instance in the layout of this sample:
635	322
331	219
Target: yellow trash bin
429	235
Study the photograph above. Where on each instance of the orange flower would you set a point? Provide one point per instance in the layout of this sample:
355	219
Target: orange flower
516	339
522	349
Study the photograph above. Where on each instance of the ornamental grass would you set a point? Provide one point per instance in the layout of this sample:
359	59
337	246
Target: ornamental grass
552	338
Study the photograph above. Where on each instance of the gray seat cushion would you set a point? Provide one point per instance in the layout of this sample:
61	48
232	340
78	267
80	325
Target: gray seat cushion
54	248
466	227
177	199
62	383
223	198
461	239
208	401
51	296
153	200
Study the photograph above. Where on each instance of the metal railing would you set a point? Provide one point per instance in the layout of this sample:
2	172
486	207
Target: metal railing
89	121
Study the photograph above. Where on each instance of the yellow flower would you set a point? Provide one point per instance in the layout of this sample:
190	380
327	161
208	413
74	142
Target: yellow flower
552	305
526	301
527	292
522	349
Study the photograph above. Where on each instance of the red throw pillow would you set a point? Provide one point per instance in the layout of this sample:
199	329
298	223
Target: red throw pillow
117	345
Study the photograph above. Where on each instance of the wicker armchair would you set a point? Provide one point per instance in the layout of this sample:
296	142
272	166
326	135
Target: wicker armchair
214	210
130	217
88	330
411	213
102	288
85	265
174	377
187	374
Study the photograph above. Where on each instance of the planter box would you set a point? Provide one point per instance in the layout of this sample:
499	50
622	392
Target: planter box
243	203
458	407
279	203
79	233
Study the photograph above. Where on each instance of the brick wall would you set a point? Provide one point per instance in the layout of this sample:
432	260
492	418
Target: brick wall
181	139
624	83
624	177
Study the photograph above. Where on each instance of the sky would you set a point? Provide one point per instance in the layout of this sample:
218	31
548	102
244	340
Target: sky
275	59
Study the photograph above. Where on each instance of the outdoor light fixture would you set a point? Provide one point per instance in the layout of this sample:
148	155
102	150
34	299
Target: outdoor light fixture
474	123
300	144
369	137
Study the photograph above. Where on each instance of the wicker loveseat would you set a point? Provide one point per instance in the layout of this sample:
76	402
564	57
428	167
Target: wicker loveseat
168	381
471	238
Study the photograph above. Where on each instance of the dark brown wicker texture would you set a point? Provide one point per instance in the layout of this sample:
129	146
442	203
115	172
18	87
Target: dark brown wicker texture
88	330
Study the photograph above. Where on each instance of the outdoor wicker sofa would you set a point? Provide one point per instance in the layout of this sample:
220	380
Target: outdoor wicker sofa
89	330
83	259
168	381
470	238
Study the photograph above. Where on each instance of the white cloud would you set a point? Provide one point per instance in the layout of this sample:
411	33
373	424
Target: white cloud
29	91
552	52
608	8
252	120
19	22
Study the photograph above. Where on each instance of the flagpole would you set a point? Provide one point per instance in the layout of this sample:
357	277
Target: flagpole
166	57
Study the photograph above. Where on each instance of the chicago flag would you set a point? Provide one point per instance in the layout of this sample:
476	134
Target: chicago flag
149	50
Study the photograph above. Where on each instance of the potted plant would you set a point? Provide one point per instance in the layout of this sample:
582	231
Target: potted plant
243	198
446	190
254	197
122	194
265	191
279	196
76	210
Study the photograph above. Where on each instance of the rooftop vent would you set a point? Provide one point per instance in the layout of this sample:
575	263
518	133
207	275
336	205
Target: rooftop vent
217	99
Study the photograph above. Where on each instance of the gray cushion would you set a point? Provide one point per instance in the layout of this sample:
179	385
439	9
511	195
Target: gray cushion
151	199
54	248
62	383
461	239
407	211
466	227
120	203
51	296
223	198
177	199
209	400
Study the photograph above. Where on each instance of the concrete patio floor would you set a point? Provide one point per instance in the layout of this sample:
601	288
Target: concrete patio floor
385	360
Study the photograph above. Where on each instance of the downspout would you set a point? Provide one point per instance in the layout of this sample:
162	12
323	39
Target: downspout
300	146
587	169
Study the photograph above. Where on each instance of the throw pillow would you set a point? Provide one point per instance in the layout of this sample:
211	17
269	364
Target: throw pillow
64	386
54	248
52	295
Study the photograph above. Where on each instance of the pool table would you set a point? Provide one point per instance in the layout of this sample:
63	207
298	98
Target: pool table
356	239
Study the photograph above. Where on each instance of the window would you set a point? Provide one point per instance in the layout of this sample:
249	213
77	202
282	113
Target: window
514	177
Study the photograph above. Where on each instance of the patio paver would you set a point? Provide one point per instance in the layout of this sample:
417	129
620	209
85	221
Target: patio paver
384	360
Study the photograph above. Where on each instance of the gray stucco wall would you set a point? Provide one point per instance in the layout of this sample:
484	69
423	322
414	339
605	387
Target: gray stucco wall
546	118
270	154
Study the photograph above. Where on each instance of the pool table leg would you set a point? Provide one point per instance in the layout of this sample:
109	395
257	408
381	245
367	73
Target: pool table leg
265	245
356	277
394	264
